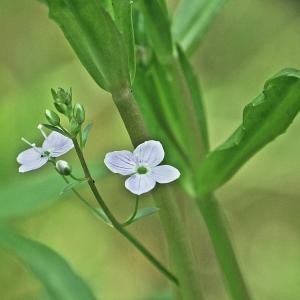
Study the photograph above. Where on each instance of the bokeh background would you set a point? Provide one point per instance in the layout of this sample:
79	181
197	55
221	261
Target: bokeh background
249	42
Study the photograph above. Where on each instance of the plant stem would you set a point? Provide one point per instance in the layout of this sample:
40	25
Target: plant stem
179	247
131	218
218	231
114	221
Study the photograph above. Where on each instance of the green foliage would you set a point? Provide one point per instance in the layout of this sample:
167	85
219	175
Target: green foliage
30	195
72	185
196	95
58	278
122	14
265	118
95	37
85	133
192	19
158	28
143	213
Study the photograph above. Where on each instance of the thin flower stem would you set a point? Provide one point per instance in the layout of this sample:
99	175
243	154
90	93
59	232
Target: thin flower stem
131	218
114	221
76	178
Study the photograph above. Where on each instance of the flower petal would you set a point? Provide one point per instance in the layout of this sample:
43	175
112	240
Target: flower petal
140	184
33	165
149	152
57	144
121	162
29	155
164	174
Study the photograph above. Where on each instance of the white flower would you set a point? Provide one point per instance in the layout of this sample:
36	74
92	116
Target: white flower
142	165
53	146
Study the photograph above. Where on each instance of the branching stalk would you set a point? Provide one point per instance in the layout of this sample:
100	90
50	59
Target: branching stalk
114	221
180	252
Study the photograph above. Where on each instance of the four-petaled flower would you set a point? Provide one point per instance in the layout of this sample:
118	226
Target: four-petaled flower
53	146
142	165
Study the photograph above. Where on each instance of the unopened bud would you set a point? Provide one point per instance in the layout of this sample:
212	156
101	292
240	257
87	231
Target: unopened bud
75	127
52	117
62	108
63	167
79	113
62	96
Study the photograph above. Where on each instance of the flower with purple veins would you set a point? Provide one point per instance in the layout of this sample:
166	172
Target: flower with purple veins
142	165
54	145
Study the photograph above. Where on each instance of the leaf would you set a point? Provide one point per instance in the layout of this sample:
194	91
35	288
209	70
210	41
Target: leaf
191	21
158	28
265	118
58	278
144	212
30	194
100	214
53	128
196	95
85	133
123	19
96	40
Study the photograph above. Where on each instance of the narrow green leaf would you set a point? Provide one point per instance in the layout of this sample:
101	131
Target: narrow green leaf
158	28
53	128
265	118
32	193
143	213
85	133
58	278
100	214
96	40
123	19
196	95
192	19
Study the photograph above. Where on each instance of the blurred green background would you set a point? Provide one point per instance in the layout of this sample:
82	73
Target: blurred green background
249	42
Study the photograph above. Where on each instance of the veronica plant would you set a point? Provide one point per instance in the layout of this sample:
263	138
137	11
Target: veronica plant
139	53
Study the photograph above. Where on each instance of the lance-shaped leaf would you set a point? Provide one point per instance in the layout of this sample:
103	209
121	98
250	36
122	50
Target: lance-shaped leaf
265	118
158	28
95	38
26	196
196	95
122	10
192	19
56	275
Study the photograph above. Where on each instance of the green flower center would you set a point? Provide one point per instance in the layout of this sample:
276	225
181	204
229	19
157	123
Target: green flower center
46	154
142	170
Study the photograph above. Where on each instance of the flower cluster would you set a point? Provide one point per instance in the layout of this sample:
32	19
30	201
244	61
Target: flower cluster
35	157
141	166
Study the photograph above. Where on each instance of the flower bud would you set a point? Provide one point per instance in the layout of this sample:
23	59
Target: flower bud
52	117
63	167
79	113
62	108
62	96
75	127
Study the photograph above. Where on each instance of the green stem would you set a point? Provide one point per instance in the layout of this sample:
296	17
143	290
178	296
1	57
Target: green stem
131	218
114	221
218	231
179	247
76	178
